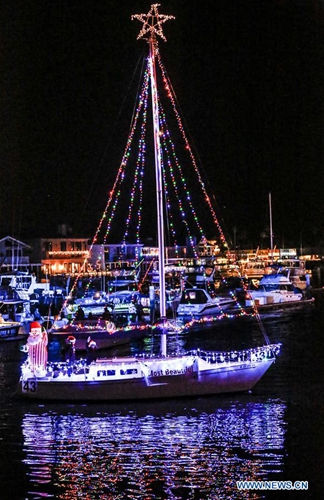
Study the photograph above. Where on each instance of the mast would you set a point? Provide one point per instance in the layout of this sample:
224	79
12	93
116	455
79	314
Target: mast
151	27
158	176
271	232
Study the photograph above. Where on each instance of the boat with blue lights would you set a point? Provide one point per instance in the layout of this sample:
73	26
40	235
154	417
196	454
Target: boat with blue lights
167	375
11	330
15	315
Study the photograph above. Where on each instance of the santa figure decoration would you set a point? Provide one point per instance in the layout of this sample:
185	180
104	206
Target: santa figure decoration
37	347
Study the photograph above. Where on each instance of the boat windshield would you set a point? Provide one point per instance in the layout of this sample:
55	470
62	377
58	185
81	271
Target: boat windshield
193	297
276	288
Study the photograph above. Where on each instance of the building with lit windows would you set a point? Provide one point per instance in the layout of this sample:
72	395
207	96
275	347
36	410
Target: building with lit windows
60	255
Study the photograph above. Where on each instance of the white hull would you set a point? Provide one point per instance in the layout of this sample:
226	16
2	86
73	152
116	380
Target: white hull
273	298
274	289
208	309
148	378
197	302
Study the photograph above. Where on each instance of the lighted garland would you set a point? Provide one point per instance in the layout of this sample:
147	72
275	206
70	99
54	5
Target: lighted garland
214	319
139	172
167	86
166	140
113	194
168	209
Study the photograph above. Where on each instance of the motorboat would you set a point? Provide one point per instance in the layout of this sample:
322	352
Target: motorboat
24	283
198	302
110	320
15	315
273	289
11	330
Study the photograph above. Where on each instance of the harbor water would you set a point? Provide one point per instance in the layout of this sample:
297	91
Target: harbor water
177	449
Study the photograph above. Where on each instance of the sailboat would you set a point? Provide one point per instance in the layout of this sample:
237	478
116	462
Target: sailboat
194	373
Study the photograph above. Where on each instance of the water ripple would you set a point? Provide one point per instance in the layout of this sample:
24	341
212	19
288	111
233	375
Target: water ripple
173	455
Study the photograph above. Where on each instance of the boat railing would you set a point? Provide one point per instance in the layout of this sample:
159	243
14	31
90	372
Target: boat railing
255	354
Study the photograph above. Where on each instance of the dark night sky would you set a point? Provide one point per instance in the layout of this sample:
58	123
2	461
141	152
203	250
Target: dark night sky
249	77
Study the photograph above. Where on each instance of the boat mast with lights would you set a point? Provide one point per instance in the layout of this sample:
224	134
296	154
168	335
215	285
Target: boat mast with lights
152	27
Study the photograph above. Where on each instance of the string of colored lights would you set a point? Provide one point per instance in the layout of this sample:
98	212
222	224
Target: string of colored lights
137	186
168	201
140	286
114	194
170	93
121	172
169	150
183	183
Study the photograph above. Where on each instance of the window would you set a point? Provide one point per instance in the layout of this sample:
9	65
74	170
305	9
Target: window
48	246
130	371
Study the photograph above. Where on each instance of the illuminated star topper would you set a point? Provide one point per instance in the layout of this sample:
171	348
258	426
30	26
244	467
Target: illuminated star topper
152	22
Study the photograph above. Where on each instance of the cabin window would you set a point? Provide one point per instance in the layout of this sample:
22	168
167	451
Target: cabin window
106	373
193	297
129	371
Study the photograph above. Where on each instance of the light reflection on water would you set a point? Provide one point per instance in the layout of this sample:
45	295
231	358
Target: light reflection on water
177	449
149	452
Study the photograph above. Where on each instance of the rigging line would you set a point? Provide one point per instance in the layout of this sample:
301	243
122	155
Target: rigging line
137	186
167	141
256	313
166	133
206	179
169	88
118	180
121	171
141	59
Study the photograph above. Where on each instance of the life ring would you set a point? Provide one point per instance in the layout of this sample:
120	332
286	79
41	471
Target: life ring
110	326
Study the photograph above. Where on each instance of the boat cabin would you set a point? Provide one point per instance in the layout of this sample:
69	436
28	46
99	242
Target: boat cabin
194	296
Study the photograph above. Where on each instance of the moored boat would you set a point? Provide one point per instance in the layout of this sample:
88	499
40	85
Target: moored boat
105	333
11	330
193	373
15	317
109	324
196	302
276	290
